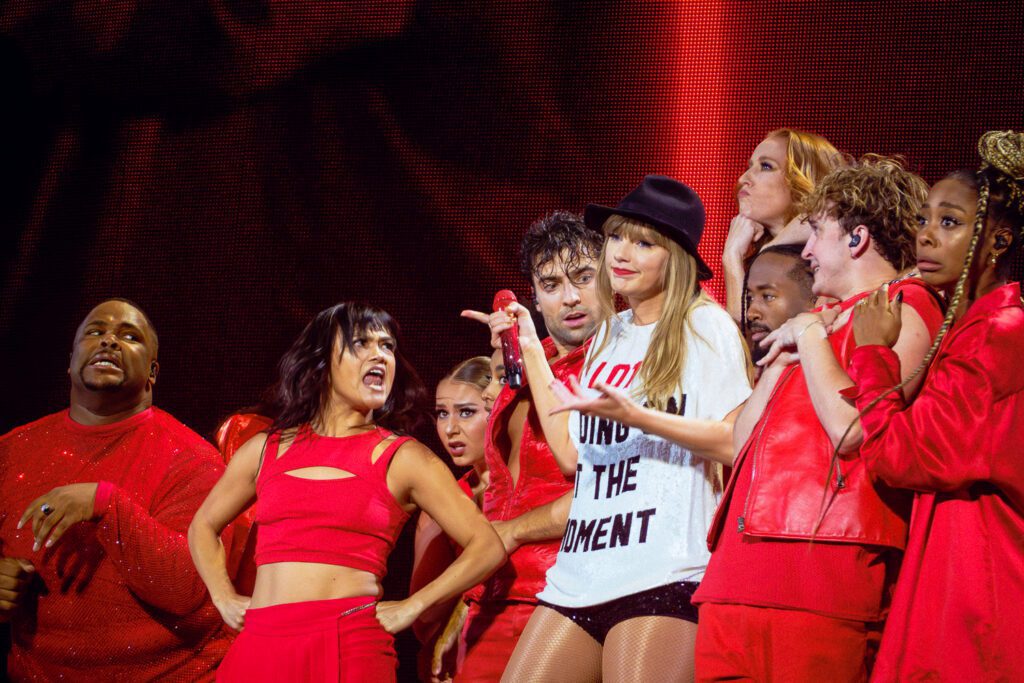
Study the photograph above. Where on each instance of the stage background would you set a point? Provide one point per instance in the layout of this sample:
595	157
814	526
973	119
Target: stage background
237	166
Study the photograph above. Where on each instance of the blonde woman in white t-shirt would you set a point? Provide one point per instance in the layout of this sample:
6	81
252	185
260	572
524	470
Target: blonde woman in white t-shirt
617	602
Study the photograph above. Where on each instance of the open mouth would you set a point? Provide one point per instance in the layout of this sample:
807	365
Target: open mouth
575	319
374	378
456	448
105	360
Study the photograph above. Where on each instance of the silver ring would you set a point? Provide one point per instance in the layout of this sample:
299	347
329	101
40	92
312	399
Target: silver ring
46	509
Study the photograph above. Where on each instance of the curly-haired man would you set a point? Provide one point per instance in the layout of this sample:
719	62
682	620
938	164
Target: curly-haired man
805	545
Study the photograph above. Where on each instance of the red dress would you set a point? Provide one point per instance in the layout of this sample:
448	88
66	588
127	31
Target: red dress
118	598
958	609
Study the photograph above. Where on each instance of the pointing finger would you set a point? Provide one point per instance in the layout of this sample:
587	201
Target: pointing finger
476	315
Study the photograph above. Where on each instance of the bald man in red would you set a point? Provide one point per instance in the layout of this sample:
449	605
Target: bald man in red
95	573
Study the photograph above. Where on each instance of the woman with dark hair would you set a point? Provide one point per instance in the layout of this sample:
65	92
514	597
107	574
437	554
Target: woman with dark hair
333	483
956	613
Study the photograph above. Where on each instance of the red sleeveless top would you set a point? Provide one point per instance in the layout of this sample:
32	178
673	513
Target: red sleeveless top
352	521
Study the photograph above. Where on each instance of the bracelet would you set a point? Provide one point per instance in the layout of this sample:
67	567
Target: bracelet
809	326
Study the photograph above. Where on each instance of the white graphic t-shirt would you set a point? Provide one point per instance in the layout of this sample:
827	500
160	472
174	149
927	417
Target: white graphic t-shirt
642	505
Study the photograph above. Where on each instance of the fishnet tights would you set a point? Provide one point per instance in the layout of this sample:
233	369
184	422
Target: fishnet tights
646	649
554	649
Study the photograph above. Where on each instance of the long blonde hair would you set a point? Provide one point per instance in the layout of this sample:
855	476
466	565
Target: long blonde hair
661	374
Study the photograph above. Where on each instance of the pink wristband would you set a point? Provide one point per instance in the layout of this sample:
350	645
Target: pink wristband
102	501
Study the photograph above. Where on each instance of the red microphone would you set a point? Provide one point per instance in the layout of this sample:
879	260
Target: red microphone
510	351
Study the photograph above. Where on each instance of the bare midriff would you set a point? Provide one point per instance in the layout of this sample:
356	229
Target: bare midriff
286	582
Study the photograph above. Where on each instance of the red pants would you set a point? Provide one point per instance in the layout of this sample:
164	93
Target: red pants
488	637
741	643
320	640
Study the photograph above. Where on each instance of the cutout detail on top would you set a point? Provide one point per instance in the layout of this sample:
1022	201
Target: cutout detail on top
320	473
381	447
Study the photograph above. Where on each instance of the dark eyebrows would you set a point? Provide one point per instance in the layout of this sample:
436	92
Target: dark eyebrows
589	268
120	326
441	406
950	205
381	335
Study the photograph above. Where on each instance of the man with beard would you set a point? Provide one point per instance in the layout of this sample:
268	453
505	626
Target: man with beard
778	287
95	573
559	256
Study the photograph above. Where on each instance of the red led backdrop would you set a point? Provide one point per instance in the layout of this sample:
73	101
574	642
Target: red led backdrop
235	167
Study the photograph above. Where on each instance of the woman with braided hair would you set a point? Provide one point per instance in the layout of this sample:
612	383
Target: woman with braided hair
956	612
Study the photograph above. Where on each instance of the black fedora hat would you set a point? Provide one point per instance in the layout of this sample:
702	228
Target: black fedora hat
666	204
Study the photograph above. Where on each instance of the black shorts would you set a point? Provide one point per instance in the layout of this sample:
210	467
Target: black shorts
672	600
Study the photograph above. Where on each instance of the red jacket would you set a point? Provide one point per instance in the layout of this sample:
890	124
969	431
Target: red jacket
789	453
957	611
540	482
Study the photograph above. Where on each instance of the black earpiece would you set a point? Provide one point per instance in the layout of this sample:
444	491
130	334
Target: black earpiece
854	240
1001	242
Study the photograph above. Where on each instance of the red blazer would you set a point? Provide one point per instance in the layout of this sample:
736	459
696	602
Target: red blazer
540	482
958	608
790	454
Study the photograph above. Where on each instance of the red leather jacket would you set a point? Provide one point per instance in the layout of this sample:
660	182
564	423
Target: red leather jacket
540	482
789	453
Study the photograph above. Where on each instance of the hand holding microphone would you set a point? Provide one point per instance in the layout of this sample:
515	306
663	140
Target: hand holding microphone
510	350
512	322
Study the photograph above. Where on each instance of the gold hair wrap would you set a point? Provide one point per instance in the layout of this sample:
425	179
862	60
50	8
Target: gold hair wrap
1003	151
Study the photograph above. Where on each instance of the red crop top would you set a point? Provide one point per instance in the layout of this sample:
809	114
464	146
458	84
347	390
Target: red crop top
352	521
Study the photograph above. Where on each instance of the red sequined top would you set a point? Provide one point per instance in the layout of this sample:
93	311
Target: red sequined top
351	519
117	598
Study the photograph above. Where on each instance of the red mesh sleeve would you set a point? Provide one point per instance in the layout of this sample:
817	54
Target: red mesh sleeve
149	547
